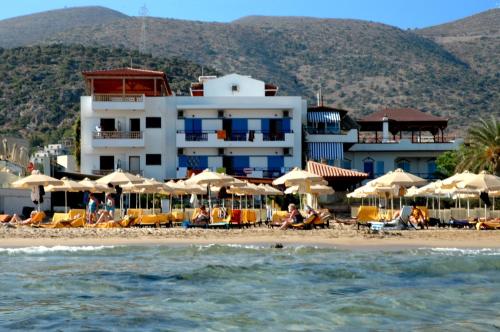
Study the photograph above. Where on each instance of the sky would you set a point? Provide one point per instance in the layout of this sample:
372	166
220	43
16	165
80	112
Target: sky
401	13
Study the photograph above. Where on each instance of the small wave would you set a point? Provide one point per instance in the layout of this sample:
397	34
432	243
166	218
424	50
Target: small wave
43	249
460	251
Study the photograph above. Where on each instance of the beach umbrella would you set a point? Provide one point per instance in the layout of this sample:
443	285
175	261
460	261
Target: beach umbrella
400	178
67	186
119	177
209	178
454	180
298	176
34	180
93	186
482	182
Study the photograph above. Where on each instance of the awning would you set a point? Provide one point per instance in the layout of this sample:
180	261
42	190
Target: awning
328	117
328	151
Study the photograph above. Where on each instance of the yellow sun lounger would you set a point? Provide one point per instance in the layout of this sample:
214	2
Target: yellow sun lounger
367	214
215	216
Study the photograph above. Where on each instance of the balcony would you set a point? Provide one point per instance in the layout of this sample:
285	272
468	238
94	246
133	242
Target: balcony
117	139
214	138
331	136
407	144
257	172
105	102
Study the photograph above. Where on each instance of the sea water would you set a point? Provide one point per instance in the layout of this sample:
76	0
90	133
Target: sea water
250	288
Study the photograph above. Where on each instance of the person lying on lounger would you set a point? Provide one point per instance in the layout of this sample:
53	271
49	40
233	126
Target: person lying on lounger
294	217
33	218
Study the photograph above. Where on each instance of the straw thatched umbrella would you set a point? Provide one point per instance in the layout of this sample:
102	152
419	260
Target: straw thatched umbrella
67	186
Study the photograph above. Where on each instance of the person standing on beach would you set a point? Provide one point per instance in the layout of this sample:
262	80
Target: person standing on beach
92	208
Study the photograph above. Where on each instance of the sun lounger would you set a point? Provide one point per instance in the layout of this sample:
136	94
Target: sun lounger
278	218
248	217
5	218
177	217
488	224
399	223
367	215
218	222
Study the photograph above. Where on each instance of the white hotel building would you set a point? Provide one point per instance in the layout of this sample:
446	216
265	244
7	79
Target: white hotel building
131	120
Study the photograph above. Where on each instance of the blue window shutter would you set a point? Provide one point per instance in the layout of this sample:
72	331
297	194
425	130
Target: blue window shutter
203	162
240	125
286	125
380	168
188	125
275	162
240	162
197	125
183	161
265	125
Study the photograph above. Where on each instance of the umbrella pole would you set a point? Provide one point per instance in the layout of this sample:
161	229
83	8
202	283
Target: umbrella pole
182	201
468	209
65	201
232	201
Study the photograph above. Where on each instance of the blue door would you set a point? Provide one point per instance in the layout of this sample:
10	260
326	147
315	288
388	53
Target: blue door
265	126
368	168
239	129
286	125
240	163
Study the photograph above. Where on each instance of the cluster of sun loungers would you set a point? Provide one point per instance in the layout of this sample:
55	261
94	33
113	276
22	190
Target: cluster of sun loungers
154	218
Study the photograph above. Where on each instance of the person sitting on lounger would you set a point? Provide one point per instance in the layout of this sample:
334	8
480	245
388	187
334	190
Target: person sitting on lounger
417	217
202	218
294	217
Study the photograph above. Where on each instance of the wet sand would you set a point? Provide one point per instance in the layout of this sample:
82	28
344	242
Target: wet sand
339	236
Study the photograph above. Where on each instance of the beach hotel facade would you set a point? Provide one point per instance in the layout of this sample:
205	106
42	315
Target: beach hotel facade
131	120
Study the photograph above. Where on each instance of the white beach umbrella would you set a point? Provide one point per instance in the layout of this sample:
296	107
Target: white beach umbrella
67	186
119	177
34	180
210	178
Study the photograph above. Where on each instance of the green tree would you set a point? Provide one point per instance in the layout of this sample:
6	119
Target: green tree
483	149
77	135
446	163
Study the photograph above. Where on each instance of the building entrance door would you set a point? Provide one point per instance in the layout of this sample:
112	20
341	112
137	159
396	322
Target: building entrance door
134	164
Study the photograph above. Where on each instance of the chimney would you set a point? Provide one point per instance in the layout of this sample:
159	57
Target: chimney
385	129
319	98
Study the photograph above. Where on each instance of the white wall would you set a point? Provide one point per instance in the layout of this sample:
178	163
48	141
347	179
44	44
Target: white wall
222	86
13	200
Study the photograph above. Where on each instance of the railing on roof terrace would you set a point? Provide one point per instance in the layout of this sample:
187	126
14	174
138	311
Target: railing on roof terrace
117	134
118	98
414	140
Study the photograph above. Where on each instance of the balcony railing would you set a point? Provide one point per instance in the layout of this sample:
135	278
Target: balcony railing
102	172
316	131
414	140
235	136
117	135
266	172
118	98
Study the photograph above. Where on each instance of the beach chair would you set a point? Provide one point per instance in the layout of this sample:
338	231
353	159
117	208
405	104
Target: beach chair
77	217
5	218
248	217
278	218
307	223
177	217
235	218
399	223
217	221
488	224
324	219
367	215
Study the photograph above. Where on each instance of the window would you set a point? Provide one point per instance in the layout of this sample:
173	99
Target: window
153	122
403	164
346	163
153	159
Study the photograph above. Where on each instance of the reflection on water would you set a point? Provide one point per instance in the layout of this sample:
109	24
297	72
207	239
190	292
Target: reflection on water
221	287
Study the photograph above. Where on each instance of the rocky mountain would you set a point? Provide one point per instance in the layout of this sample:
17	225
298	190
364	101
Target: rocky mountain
41	86
360	65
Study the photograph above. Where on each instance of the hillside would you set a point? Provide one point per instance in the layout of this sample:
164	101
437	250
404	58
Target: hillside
31	29
41	86
360	65
475	39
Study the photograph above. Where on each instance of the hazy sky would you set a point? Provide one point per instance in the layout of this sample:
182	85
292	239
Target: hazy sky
401	13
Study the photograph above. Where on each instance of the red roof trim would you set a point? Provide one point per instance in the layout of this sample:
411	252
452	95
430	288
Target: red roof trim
124	72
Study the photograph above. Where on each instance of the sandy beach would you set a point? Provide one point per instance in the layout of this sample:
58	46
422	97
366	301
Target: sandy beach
339	236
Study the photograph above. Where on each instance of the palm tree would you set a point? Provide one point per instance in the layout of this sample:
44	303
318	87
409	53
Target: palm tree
483	149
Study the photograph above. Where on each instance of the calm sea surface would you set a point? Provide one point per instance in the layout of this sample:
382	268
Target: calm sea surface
252	288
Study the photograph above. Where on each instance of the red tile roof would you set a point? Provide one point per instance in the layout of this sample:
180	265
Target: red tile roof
125	72
402	115
328	171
